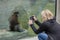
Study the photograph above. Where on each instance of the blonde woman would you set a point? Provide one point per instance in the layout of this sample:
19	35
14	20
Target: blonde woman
49	25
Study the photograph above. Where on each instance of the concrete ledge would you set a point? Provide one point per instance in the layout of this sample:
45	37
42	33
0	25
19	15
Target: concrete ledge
6	35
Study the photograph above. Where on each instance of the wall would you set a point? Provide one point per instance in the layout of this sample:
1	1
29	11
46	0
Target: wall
58	11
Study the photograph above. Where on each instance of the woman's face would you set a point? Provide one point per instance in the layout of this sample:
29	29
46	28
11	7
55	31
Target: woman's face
44	18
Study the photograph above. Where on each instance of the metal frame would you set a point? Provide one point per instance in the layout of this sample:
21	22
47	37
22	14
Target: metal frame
55	8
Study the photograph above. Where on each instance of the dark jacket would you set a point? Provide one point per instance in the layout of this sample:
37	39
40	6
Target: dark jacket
51	28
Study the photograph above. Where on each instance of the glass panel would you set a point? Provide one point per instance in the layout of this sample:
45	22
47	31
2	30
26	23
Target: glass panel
26	9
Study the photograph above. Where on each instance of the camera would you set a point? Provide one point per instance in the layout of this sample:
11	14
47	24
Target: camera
31	18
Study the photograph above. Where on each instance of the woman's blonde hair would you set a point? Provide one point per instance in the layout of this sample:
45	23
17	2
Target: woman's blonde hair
46	15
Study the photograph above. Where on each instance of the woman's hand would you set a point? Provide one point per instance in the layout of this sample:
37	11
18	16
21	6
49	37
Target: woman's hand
34	18
30	22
